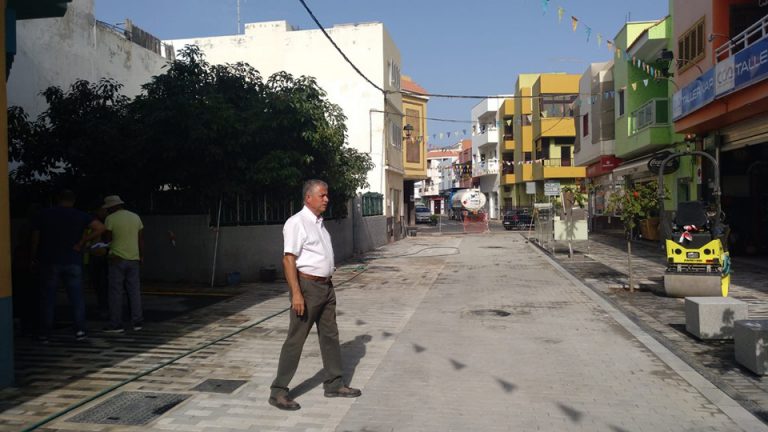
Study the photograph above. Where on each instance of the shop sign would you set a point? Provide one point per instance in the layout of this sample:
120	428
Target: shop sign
696	94
605	165
552	188
744	68
655	163
530	188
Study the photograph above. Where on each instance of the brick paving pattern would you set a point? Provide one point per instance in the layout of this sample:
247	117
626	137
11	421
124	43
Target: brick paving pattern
493	338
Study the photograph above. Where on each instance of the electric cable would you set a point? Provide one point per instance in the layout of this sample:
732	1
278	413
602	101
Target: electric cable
320	26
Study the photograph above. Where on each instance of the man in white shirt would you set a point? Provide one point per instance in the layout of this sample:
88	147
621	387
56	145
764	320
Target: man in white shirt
308	265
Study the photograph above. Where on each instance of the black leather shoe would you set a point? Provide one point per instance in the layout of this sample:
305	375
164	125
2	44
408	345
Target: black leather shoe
283	402
343	391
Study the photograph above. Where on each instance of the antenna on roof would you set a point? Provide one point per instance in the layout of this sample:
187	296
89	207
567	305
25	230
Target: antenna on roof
238	16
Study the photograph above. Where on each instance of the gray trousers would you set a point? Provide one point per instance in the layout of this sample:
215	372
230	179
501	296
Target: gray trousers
320	300
124	278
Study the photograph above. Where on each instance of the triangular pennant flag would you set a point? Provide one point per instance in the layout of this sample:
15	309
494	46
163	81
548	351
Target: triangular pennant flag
599	39
560	12
594	99
634	86
634	61
618	52
645	82
588	30
574	22
449	134
463	131
509	122
544	6
441	135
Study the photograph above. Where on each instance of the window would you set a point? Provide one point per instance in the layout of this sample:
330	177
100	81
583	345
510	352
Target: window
585	125
557	105
394	74
690	46
413	145
527	156
525	119
509	129
395	135
620	103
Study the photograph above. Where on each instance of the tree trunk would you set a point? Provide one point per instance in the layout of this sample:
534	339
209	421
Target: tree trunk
629	266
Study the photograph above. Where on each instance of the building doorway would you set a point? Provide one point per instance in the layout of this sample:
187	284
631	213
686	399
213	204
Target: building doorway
744	173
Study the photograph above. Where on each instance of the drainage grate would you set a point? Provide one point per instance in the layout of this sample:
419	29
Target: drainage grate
219	385
130	408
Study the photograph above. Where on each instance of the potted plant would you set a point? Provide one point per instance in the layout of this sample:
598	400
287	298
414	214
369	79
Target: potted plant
433	219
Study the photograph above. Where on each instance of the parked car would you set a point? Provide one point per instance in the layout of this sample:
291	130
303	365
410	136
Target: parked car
517	219
423	214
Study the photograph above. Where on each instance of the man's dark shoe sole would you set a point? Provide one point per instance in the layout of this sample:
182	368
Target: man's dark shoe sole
352	394
292	407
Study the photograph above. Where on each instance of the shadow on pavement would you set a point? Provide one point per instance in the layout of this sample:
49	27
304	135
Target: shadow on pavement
71	371
351	353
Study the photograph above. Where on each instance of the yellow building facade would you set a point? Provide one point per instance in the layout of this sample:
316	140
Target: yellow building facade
542	137
414	142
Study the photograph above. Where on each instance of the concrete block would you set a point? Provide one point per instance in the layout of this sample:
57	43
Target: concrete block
750	341
713	317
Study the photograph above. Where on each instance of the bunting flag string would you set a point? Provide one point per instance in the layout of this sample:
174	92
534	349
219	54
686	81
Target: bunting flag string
610	45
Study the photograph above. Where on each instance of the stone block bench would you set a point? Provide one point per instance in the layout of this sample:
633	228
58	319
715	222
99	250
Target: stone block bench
750	341
713	317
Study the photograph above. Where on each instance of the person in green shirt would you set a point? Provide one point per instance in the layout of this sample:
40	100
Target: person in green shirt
125	234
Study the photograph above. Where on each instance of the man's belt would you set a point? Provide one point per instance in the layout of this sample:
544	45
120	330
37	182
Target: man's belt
315	278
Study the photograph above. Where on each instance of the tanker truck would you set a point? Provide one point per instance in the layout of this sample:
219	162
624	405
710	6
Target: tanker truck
466	201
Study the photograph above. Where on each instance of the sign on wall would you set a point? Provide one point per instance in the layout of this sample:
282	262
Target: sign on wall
552	188
742	69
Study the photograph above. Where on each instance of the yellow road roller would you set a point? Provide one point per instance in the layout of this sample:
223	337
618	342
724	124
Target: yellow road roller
695	240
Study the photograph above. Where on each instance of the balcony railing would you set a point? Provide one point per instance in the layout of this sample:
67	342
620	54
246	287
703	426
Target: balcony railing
655	112
486	167
743	40
557	162
433	189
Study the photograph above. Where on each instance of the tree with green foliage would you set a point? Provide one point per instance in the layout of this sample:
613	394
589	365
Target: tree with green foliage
211	131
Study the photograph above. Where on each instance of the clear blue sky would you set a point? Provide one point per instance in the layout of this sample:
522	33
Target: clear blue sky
447	46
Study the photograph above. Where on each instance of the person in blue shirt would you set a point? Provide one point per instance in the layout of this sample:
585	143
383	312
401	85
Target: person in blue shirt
58	236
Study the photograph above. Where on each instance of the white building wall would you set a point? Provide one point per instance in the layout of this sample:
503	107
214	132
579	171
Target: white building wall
58	51
275	46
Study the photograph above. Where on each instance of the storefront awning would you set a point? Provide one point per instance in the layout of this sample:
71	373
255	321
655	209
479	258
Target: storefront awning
634	168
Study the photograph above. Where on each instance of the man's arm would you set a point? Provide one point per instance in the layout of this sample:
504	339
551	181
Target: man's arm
97	228
141	245
292	277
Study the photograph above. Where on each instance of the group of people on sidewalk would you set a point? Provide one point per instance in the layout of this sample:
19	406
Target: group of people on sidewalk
62	239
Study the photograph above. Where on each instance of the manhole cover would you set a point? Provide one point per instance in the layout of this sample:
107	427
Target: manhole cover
130	408
219	385
491	312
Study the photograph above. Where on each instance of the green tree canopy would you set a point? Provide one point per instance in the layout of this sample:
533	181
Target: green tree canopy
211	131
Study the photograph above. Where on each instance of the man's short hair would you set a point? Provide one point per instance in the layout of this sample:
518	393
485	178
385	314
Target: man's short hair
67	196
310	185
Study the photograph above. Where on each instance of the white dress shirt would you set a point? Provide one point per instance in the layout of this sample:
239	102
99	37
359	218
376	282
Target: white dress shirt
305	236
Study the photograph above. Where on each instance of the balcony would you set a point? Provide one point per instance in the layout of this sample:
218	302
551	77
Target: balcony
486	136
509	143
556	168
555	127
430	190
486	167
753	34
654	113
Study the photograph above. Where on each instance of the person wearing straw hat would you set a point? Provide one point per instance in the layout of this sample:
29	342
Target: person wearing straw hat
125	234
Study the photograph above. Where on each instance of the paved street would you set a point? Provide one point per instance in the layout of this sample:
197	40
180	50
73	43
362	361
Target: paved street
444	332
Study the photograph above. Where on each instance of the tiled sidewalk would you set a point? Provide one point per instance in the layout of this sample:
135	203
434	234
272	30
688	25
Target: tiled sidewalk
604	269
